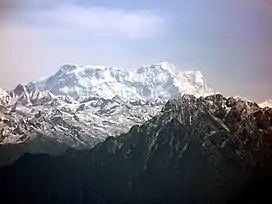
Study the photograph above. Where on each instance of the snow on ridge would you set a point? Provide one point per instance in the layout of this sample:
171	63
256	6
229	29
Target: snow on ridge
162	80
3	92
267	103
242	98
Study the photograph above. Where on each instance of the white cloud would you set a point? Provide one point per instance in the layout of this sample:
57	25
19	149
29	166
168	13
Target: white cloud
132	24
35	41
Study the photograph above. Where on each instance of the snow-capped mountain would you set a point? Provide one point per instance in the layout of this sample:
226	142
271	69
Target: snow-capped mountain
267	103
80	106
193	148
160	81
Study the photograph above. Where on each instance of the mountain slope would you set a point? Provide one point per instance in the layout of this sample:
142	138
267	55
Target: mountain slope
160	81
197	150
31	119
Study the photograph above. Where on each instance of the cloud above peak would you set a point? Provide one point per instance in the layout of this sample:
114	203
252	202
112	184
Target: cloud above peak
131	24
41	37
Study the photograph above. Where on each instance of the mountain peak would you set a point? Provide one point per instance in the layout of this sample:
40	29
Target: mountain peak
67	68
166	65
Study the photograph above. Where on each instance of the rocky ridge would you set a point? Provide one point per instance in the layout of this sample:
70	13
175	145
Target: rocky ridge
28	119
196	150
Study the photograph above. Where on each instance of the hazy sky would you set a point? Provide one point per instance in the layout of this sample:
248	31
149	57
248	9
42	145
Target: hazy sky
230	41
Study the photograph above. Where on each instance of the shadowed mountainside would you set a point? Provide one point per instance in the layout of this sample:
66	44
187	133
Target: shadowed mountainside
197	150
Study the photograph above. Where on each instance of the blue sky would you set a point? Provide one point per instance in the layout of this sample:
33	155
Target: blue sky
229	41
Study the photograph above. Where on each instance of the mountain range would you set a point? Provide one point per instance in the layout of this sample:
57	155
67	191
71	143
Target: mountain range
80	106
156	134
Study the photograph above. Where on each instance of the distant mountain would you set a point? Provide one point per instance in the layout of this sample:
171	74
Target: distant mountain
267	103
159	81
196	150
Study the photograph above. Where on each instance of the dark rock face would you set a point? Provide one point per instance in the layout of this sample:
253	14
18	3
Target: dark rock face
197	150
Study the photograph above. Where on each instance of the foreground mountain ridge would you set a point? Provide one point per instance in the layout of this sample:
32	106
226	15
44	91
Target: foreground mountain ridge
196	150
